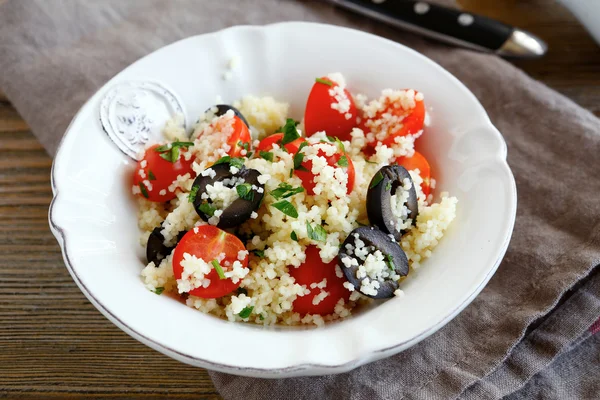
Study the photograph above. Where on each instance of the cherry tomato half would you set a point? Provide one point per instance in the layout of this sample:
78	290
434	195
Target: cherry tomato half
314	270
209	242
239	139
320	116
267	143
418	161
412	121
308	178
158	173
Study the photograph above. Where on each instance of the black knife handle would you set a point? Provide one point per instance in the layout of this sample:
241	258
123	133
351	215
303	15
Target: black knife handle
443	23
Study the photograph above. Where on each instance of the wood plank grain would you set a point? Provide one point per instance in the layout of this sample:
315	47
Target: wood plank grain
55	344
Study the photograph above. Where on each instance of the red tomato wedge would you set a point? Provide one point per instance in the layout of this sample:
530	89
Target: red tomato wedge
208	243
418	161
314	270
308	178
320	116
155	172
239	138
267	143
412	121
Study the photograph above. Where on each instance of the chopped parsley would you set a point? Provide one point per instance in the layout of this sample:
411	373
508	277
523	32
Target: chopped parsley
343	161
290	133
218	268
244	145
299	158
245	192
388	186
323	81
245	313
151	176
293	236
287	208
285	190
390	262
170	152
193	193
237	162
261	317
144	190
267	155
159	290
208	209
370	162
337	140
376	179
291	172
259	253
318	233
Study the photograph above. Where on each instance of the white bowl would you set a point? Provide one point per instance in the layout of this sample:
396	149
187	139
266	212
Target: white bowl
94	218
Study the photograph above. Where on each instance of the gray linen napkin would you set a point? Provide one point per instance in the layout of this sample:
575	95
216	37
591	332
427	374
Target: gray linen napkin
55	54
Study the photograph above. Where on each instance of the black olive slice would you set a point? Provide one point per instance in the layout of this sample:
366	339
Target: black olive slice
156	250
395	259
223	108
241	209
379	199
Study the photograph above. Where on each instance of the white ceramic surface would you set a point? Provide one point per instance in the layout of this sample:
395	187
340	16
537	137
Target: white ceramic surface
94	217
588	13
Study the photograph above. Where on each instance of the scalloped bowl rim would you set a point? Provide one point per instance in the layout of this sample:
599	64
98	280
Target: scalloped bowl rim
289	367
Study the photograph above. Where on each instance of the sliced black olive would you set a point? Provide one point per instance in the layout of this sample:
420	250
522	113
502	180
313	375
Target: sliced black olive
394	256
156	250
241	209
379	199
223	108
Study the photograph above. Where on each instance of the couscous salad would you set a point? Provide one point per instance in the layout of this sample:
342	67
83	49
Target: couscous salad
260	218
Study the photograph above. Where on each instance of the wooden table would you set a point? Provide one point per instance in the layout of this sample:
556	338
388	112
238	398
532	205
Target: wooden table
56	345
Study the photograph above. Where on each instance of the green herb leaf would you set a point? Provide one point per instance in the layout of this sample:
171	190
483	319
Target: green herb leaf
291	172
259	253
249	154
390	262
324	81
376	179
331	138
244	145
285	190
388	186
144	190
287	208
370	162
218	268
237	162
193	193
343	161
298	159
293	236
151	176
318	233
261	317
169	146
166	156
159	290
245	313
301	168
290	133
245	192
267	155
207	209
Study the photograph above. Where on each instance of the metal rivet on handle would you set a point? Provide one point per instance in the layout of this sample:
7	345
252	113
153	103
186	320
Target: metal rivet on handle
421	8
465	19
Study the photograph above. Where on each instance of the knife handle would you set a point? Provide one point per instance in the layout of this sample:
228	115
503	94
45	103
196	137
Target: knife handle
442	23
